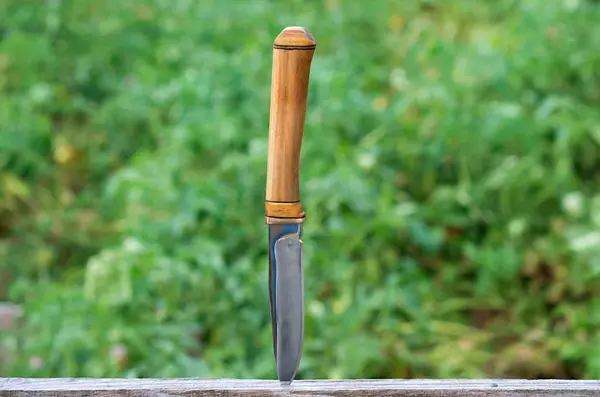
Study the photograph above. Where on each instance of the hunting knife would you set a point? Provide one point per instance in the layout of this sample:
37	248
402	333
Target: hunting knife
293	51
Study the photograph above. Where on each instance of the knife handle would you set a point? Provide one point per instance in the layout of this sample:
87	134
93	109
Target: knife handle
293	51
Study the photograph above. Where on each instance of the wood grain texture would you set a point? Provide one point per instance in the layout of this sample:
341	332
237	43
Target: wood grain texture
293	52
16	387
9	315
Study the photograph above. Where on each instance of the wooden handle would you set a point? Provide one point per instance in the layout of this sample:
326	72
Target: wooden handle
292	56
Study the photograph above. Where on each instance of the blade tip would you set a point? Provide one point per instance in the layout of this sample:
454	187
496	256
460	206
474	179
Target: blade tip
286	376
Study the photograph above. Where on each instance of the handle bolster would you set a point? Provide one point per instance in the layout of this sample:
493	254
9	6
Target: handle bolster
284	210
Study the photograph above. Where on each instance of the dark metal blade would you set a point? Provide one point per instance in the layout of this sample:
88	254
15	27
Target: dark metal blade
286	288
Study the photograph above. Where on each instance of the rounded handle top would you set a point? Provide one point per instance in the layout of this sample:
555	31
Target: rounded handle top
295	37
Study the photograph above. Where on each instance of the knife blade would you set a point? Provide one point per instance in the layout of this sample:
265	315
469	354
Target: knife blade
293	51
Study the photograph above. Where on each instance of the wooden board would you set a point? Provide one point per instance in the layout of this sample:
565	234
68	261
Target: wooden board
16	387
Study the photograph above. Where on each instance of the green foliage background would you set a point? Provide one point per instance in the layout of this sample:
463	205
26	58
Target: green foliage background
449	175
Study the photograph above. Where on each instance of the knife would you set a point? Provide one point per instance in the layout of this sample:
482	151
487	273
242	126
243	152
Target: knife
293	51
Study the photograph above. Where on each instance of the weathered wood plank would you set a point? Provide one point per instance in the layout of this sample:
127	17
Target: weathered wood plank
9	314
80	387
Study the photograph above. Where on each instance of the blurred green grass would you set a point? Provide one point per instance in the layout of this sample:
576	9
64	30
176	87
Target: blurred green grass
449	175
